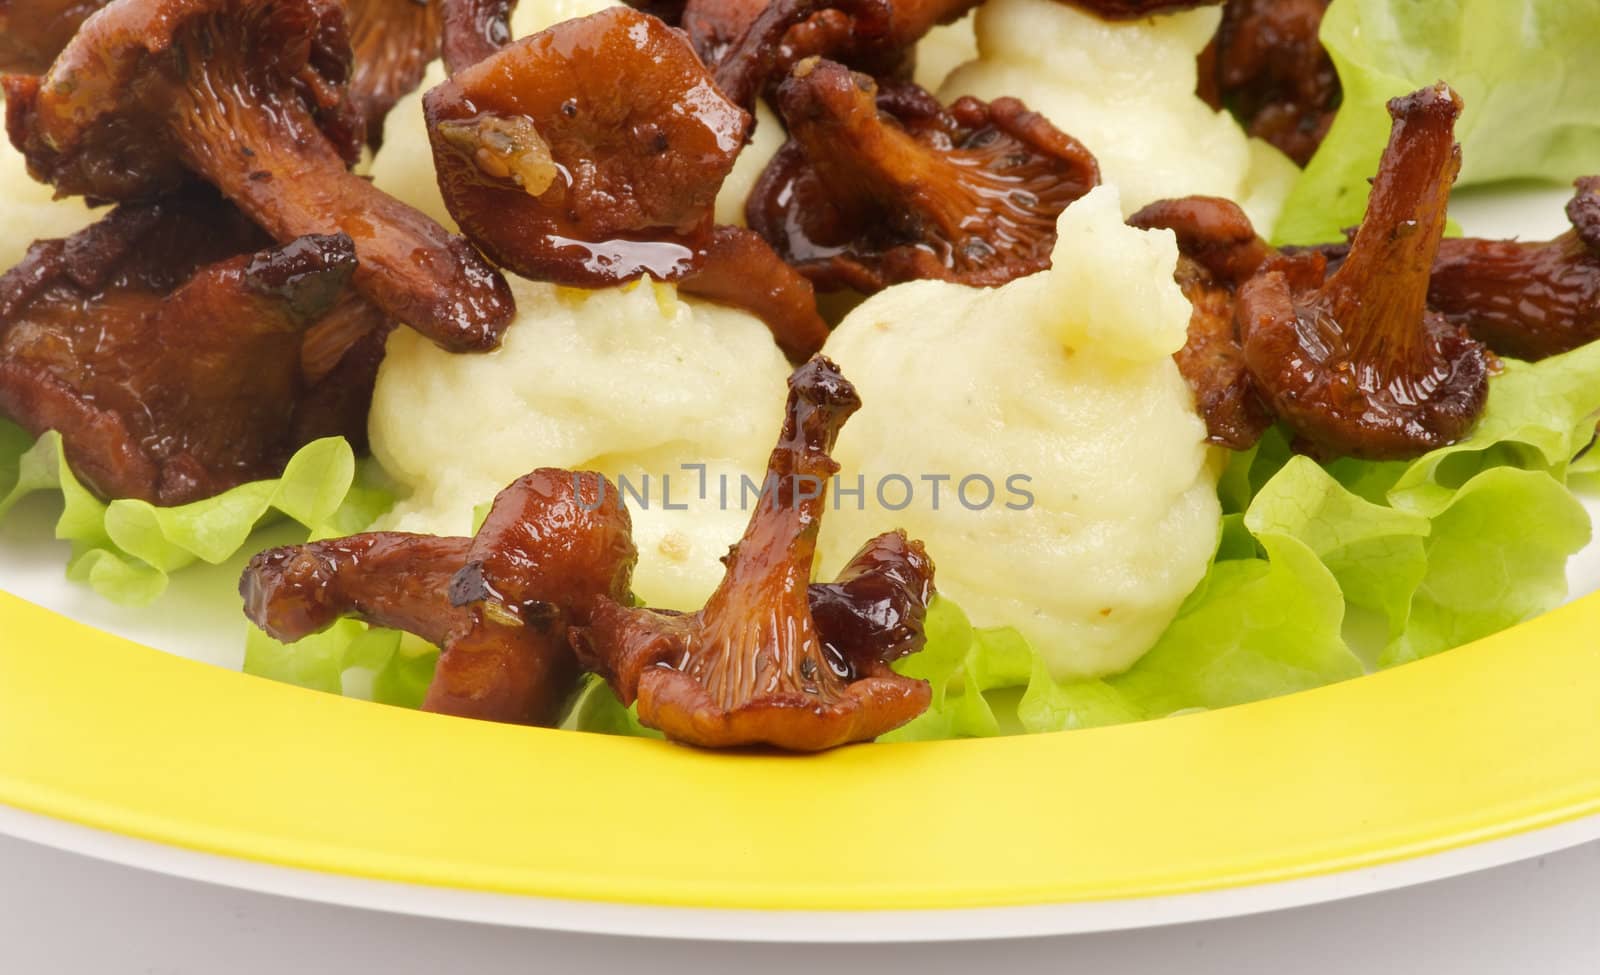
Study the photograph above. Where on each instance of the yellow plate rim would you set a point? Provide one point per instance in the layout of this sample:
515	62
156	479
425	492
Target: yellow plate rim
1486	741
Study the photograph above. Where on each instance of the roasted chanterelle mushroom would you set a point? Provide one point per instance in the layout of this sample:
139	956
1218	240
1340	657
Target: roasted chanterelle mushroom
250	96
1357	365
756	665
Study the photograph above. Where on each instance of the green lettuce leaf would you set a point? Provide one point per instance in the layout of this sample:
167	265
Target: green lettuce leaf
1497	555
348	658
1522	69
964	665
1376	554
595	708
127	549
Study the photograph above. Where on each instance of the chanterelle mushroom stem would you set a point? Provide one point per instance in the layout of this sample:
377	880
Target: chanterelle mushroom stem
1527	299
754	666
248	94
742	270
499	604
1358	365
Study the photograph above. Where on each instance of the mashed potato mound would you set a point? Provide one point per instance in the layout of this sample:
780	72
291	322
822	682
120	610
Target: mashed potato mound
1065	378
30	212
944	49
1127	90
628	381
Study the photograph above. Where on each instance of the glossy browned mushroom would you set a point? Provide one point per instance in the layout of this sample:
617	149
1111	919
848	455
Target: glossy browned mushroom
395	580
874	188
393	41
742	270
499	604
1358	365
1136	9
33	32
587	154
874	612
753	43
591	154
339	362
872	615
171	368
249	95
1528	300
753	667
1218	251
473	30
1268	66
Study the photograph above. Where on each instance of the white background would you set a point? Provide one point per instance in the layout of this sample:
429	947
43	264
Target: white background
62	913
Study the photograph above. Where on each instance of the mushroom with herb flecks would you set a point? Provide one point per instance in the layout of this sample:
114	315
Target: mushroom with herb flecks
591	154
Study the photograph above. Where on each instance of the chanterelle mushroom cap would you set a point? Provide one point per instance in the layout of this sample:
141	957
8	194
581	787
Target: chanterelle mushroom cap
500	604
874	612
248	94
587	154
872	189
1357	365
170	366
393	41
1218	251
753	666
754	43
1528	300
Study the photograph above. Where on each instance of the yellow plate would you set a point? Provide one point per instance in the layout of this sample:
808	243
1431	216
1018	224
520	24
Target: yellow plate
1492	739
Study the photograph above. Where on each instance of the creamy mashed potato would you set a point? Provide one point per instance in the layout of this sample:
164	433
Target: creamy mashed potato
944	49
768	138
1064	378
403	168
629	381
30	212
1127	90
